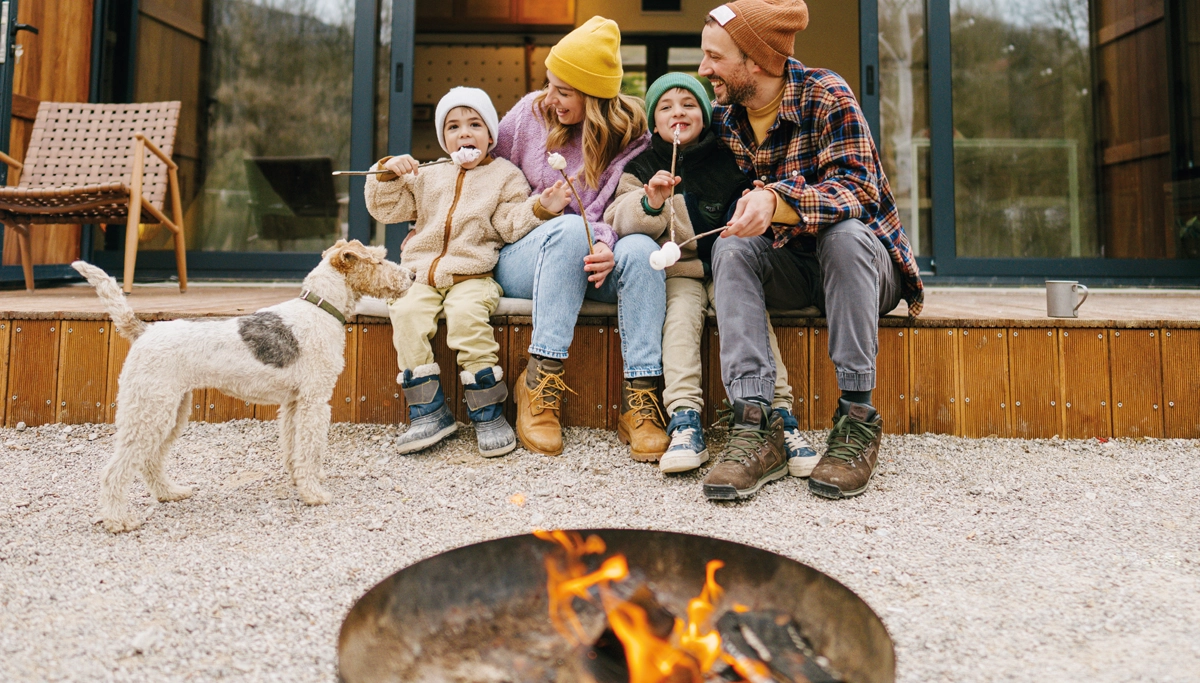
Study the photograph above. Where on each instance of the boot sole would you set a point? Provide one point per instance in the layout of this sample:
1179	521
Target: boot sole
832	492
674	464
414	446
639	456
532	449
503	450
727	492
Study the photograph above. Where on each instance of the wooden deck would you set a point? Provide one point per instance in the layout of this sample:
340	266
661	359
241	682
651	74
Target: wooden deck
978	362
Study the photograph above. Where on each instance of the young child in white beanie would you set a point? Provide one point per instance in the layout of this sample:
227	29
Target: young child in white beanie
463	212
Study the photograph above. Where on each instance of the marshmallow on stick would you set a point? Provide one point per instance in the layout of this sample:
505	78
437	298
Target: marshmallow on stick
559	163
668	254
465	155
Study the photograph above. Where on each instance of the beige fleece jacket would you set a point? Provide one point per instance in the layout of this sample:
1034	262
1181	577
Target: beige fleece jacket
462	217
627	217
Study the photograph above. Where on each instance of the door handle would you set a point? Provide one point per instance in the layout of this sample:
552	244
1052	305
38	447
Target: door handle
24	27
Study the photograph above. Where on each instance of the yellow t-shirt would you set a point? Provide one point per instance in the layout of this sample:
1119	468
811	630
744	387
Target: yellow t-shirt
761	121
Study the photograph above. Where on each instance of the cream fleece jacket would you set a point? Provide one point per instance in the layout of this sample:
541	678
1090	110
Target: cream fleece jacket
627	217
462	217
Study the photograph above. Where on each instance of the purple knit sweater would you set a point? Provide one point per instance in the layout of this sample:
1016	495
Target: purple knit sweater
523	141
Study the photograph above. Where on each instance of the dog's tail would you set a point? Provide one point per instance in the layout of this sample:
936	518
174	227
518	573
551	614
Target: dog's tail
110	294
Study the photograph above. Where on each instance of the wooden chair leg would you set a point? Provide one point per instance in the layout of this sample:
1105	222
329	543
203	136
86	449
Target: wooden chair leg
135	213
180	239
26	249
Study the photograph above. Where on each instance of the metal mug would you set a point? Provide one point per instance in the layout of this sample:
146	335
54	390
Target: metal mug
1062	300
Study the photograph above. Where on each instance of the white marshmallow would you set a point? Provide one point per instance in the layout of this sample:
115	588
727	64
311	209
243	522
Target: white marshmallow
465	155
557	161
671	253
657	261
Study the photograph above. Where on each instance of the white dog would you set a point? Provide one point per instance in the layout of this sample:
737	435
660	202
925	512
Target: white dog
289	354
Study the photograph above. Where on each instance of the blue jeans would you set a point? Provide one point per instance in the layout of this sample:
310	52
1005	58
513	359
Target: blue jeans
547	266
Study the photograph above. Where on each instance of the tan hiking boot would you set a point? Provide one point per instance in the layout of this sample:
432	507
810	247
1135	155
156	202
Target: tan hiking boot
754	455
851	454
642	425
539	392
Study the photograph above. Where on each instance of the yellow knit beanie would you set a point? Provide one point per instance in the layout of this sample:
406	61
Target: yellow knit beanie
589	58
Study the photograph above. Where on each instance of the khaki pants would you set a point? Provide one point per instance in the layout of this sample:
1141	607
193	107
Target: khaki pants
468	305
687	301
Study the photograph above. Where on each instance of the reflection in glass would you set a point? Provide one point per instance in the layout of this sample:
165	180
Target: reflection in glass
633	61
1023	129
279	78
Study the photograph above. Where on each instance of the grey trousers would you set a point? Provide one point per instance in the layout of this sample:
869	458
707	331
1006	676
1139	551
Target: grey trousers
850	278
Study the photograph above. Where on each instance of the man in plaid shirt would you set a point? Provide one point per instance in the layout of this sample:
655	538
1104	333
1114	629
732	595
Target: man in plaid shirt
819	229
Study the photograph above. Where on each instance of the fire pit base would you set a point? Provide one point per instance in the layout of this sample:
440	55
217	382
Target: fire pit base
479	614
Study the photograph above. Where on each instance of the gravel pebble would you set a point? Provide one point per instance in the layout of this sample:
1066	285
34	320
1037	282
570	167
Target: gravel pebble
988	559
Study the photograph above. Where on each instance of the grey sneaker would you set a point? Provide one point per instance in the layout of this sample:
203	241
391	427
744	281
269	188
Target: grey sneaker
802	457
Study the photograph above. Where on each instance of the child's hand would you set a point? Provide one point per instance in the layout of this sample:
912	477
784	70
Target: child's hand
401	165
659	188
556	197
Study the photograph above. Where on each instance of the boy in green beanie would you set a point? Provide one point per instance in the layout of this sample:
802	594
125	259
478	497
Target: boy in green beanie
707	184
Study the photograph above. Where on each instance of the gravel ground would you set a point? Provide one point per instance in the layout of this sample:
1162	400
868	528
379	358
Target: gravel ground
988	559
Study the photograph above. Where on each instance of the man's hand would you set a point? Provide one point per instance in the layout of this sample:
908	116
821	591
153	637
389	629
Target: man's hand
599	264
402	164
659	188
754	212
556	197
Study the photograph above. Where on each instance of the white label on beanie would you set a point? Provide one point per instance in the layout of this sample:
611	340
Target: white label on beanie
722	14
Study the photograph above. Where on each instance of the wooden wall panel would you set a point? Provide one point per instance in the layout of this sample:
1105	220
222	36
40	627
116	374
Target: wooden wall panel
616	375
447	361
500	327
5	328
891	395
1181	383
83	370
32	372
379	398
223	408
345	392
1086	386
587	373
983	382
822	378
1136	361
714	386
265	413
199	405
118	349
1035	384
932	361
793	347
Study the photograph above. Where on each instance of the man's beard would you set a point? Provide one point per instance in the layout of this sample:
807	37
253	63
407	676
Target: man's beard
740	91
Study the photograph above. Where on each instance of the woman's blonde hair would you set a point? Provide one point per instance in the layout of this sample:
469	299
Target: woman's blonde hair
609	126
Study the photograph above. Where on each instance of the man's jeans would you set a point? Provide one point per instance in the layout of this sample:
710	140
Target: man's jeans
547	266
850	278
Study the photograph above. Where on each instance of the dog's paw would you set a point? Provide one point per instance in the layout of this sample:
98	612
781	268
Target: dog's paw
315	496
121	524
175	493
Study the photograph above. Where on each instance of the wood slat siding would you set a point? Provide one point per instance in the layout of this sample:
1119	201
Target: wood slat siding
83	371
793	350
223	408
520	331
118	349
502	329
616	376
1181	383
714	386
822	380
199	400
983	382
345	391
1086	383
1035	385
891	382
587	372
266	413
380	400
5	328
33	379
932	363
1136	358
447	361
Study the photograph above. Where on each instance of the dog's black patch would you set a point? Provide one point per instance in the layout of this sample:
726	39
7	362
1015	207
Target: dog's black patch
269	338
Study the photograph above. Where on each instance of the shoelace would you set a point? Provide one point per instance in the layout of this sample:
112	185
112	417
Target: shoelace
682	437
550	388
848	439
743	441
795	440
645	402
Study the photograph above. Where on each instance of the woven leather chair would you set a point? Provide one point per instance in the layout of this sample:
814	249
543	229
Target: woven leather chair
87	163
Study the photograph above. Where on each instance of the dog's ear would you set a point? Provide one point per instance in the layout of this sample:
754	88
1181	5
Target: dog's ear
336	245
344	260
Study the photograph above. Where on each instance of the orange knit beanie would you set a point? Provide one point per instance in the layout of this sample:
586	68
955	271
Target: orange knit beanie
764	29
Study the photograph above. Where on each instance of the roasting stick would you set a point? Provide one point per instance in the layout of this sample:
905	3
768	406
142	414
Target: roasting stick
558	163
671	197
384	170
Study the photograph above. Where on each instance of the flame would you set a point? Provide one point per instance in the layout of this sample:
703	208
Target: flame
569	578
649	658
698	637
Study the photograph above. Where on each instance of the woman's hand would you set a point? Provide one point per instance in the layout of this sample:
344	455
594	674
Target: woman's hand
599	264
556	197
659	188
401	165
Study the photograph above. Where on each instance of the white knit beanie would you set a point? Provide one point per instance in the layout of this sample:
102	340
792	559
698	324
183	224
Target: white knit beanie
467	97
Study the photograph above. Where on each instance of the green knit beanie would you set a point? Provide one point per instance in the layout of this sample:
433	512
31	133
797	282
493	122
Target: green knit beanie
677	79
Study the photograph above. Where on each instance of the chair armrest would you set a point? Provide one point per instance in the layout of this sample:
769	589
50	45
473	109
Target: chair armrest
157	152
12	163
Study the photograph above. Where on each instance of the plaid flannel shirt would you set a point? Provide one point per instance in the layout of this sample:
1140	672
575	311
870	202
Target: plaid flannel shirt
819	157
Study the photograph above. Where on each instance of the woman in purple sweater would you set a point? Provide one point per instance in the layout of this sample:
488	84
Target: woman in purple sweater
582	116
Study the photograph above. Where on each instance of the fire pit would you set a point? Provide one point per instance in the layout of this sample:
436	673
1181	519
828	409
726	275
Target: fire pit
488	613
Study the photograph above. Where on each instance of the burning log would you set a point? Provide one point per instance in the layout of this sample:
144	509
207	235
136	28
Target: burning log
768	646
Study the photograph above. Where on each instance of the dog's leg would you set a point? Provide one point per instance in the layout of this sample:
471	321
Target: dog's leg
114	482
311	433
142	427
153	468
287	437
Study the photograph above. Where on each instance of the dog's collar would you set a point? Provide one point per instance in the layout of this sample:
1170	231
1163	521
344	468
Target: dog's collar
324	305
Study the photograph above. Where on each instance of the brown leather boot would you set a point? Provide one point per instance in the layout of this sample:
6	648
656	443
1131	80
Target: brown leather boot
539	393
851	454
642	425
754	455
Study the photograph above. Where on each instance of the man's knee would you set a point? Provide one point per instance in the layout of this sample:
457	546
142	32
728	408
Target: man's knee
849	235
735	252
